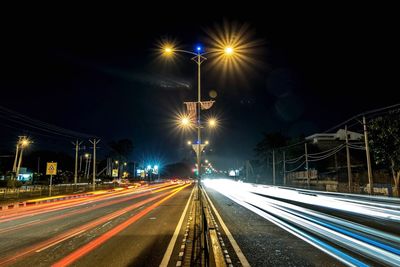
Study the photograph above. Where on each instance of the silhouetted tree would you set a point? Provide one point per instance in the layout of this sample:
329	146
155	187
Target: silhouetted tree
384	134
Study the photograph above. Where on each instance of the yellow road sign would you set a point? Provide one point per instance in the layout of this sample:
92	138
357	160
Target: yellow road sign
51	168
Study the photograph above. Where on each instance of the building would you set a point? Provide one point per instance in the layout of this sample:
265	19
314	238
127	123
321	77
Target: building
24	175
340	135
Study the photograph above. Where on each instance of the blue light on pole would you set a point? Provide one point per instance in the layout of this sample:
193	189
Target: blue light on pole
199	48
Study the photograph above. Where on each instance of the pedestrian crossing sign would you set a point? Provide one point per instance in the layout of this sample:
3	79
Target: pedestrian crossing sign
51	168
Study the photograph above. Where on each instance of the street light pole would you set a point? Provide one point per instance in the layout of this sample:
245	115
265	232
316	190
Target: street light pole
198	117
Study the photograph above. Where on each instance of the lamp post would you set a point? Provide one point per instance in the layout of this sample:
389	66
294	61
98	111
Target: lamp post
24	142
198	57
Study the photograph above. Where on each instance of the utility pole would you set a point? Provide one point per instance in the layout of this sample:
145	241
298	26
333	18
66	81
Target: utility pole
284	169
349	177
94	143
370	178
20	158
16	153
89	160
273	167
77	144
80	163
199	146
307	173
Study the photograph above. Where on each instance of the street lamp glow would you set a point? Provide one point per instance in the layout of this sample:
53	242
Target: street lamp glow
185	121
228	50
86	155
206	142
189	142
212	122
116	162
206	161
125	163
168	50
25	142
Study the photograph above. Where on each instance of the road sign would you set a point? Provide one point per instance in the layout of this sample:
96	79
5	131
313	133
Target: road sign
115	173
51	168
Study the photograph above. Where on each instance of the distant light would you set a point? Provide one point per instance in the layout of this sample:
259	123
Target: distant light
156	167
189	142
206	142
125	163
206	161
148	167
232	173
199	48
116	162
86	155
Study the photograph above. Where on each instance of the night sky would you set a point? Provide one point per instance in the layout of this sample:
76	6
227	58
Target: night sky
99	74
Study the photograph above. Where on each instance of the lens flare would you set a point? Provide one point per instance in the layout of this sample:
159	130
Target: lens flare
233	47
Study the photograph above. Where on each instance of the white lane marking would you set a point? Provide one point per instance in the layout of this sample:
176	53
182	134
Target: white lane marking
171	245
60	240
234	244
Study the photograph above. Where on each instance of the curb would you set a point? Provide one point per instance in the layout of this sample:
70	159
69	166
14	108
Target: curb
34	202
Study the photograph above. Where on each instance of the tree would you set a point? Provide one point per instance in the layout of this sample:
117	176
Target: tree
384	134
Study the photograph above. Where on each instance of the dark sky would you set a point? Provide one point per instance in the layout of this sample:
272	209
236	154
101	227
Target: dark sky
98	73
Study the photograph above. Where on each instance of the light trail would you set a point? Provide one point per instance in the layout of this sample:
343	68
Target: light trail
80	211
317	228
60	205
77	254
17	255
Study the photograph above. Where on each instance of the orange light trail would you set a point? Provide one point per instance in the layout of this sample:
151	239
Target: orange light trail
54	206
74	256
78	230
75	212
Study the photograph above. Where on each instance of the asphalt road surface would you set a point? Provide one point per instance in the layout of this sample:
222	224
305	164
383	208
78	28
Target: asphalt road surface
130	227
276	226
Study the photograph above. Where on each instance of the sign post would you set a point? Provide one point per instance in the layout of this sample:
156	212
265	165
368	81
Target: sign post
51	169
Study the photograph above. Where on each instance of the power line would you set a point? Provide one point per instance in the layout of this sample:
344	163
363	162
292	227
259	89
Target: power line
40	125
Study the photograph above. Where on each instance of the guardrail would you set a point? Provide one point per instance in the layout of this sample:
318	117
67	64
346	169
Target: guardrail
211	236
43	190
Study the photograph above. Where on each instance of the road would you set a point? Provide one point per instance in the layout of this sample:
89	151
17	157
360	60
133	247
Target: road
119	228
277	226
257	225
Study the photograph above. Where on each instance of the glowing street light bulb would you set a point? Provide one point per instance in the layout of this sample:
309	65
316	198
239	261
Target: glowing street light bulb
185	121
86	155
206	142
168	50
212	123
206	161
189	142
25	142
125	163
116	162
228	50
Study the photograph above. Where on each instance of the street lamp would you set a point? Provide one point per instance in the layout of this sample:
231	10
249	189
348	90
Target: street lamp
198	57
23	142
212	122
